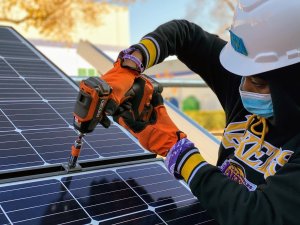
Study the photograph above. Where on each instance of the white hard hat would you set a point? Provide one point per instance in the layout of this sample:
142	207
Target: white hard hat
265	35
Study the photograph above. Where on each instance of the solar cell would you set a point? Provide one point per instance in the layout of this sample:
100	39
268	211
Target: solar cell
6	70
5	124
110	196
16	89
64	108
3	219
32	115
140	218
16	50
104	195
189	210
43	202
30	68
53	89
7	35
16	152
154	185
112	142
54	145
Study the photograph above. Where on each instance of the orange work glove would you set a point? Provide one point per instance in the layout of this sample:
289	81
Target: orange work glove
157	135
120	79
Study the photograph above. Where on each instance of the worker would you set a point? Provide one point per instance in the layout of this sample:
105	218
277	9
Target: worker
256	78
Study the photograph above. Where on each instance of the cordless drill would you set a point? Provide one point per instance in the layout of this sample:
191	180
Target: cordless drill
91	101
88	112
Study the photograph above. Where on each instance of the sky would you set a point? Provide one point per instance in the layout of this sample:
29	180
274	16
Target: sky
146	15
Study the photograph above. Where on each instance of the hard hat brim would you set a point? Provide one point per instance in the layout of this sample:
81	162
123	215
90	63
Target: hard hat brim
237	63
242	65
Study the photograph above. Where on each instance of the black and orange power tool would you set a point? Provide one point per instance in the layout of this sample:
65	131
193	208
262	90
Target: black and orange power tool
91	101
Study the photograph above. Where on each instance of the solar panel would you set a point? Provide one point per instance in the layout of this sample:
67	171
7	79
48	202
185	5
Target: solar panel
43	202
139	194
16	152
53	89
16	50
7	35
32	115
15	89
4	123
36	108
144	217
54	145
6	70
36	104
31	68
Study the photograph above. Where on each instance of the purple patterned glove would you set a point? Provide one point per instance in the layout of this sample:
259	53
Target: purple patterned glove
181	146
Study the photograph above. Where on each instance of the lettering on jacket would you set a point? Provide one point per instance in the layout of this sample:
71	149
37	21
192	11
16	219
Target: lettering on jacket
266	158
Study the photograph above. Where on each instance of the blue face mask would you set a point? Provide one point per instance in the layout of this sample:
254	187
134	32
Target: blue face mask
259	104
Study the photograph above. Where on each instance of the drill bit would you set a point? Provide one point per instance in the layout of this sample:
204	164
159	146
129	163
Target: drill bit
75	151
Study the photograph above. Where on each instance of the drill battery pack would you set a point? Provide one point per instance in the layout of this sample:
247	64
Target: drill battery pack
90	104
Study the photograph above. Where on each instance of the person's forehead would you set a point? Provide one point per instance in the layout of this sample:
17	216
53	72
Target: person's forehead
257	77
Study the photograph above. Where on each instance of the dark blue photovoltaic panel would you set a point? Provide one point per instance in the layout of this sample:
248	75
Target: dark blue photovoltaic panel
112	142
37	101
16	50
186	212
7	35
141	218
172	201
15	89
43	202
3	219
32	115
104	195
54	145
53	89
33	68
15	152
6	70
65	109
155	185
5	125
106	142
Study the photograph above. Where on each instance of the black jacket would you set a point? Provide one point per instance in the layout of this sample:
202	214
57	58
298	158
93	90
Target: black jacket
264	188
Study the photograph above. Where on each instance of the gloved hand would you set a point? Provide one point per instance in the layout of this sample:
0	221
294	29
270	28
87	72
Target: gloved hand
120	79
184	159
158	134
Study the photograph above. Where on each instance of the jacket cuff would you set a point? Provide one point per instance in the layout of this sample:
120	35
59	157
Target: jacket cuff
150	50
189	164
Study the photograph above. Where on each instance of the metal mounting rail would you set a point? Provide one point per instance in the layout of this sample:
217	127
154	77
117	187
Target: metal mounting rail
22	174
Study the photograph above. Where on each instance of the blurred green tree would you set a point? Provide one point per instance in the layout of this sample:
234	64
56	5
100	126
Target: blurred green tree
55	18
191	103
